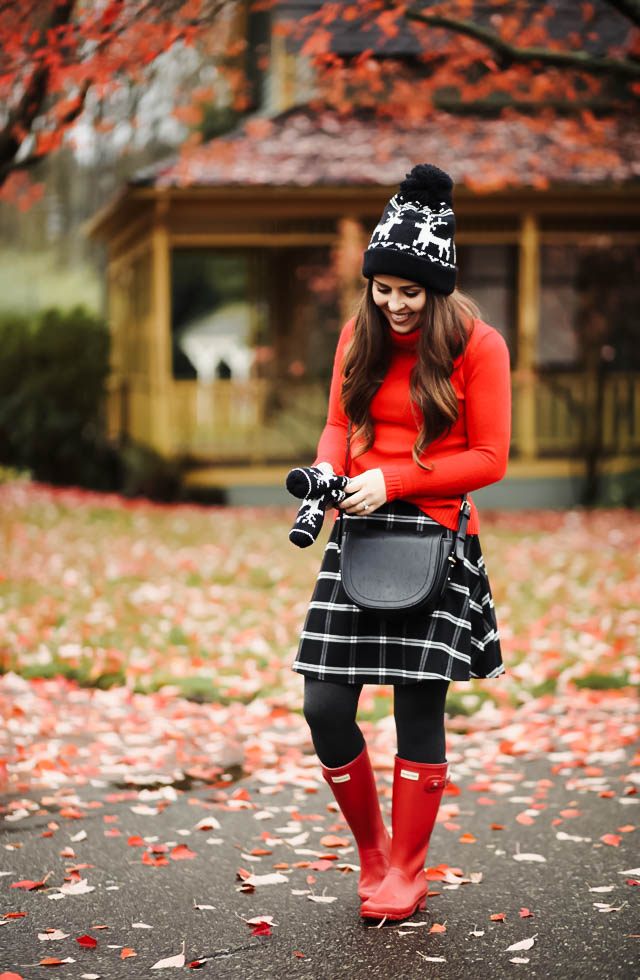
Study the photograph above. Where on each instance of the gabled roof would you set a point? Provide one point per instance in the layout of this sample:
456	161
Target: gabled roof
312	146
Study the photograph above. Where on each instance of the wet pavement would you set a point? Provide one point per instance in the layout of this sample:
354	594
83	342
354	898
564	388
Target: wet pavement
151	856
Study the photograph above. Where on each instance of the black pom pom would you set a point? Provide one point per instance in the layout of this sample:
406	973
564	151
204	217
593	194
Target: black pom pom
427	184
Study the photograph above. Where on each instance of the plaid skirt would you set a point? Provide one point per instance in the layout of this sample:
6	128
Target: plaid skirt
456	641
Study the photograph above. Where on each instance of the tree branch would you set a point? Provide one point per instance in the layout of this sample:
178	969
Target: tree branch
492	107
628	8
508	53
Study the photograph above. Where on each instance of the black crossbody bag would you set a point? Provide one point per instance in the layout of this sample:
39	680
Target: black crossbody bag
395	570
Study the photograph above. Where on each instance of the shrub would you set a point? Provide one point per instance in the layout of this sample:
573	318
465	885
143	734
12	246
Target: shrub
53	370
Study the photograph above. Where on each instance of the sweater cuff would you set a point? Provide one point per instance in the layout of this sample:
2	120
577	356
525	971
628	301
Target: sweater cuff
392	482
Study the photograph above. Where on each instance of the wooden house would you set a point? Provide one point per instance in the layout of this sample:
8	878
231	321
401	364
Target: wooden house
231	272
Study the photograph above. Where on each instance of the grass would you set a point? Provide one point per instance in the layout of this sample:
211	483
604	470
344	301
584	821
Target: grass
211	600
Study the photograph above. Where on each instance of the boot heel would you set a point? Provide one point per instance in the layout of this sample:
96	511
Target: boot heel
422	903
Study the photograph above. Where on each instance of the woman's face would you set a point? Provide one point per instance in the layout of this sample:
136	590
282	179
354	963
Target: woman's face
401	301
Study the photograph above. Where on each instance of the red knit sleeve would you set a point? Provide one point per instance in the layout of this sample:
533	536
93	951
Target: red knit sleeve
332	446
488	425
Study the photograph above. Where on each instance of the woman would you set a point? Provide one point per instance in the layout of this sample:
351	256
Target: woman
426	386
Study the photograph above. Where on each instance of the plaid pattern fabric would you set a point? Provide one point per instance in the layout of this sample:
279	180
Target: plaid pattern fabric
457	641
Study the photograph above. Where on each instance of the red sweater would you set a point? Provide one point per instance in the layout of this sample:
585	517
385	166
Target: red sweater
472	455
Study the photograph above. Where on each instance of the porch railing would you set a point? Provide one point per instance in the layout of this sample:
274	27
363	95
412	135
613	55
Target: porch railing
258	420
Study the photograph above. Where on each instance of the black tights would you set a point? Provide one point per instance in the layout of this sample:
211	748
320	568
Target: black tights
330	710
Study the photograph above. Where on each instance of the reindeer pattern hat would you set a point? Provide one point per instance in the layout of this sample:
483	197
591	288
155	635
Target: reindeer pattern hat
414	237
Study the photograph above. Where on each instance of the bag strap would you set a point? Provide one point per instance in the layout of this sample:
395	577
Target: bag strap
461	533
346	467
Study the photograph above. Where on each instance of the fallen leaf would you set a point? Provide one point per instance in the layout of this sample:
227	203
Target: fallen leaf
87	941
330	841
177	960
126	953
28	885
523	944
77	888
274	878
612	839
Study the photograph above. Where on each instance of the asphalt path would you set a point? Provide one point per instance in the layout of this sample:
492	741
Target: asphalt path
577	933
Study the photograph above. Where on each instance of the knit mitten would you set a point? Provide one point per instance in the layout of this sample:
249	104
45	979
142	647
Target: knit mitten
311	481
310	516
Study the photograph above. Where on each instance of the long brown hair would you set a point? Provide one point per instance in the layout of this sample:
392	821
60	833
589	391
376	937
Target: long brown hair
445	327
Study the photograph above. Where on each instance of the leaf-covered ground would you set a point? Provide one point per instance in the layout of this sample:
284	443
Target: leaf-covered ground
146	656
105	600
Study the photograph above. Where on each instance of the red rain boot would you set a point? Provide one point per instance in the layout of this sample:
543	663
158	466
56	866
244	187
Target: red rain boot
417	791
354	788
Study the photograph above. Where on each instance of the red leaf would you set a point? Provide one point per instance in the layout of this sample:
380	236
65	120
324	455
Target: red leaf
498	917
320	865
126	953
87	941
182	853
156	862
10	976
262	929
330	841
27	884
612	839
136	841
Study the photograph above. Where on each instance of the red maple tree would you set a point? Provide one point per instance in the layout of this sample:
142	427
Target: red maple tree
521	59
469	57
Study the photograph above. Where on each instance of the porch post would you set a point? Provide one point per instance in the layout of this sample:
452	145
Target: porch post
528	324
348	257
160	330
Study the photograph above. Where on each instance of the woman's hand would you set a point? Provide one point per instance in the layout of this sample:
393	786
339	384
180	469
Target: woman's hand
367	488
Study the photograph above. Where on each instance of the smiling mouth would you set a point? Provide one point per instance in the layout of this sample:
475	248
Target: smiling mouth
400	317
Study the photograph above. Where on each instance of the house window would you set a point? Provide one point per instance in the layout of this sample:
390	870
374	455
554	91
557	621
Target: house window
590	295
488	273
216	319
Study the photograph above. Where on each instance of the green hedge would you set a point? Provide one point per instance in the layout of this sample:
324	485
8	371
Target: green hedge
53	371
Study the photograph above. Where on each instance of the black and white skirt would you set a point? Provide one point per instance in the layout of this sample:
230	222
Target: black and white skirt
457	641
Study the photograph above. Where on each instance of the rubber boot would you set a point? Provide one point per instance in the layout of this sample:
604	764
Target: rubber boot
354	788
417	791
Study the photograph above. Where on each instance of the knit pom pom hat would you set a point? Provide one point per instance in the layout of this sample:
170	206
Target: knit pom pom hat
414	237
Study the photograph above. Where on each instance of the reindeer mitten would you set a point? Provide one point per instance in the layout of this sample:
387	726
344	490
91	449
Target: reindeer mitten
318	489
